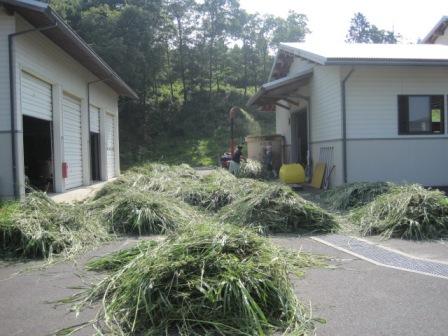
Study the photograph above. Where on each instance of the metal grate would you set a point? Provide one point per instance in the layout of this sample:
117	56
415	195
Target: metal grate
385	257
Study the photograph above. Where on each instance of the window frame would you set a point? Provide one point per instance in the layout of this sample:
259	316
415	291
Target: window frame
430	132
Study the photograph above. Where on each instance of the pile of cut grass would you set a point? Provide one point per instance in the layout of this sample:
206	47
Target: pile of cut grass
207	280
116	260
134	211
40	228
252	169
407	212
274	208
355	194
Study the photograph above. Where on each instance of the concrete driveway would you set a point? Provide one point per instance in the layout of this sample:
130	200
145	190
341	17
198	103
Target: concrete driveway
356	297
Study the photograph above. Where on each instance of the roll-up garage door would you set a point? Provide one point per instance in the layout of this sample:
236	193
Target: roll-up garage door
110	145
36	97
71	109
94	119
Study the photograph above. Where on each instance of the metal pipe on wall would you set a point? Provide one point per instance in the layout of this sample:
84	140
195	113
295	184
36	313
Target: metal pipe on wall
12	98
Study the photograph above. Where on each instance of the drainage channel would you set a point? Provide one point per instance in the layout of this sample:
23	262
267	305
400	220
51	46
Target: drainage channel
384	257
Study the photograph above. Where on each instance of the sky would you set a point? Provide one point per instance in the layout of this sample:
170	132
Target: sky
329	20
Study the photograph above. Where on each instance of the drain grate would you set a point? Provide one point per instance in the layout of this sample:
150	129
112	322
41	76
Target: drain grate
384	257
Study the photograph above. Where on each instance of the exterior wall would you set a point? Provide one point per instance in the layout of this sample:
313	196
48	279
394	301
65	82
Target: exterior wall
283	127
7	26
298	65
443	39
36	54
375	151
326	120
337	176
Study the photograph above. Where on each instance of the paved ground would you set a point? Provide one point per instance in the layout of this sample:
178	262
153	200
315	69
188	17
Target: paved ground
356	297
78	194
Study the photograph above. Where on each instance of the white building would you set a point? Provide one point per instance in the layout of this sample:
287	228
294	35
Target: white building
58	104
374	112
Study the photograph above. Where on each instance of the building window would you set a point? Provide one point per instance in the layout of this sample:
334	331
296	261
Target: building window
420	115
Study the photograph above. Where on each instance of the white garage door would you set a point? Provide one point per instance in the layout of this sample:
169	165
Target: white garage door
36	97
94	119
71	109
110	145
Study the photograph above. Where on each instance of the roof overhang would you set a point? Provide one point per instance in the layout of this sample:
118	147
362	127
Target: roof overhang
39	14
281	89
438	30
320	59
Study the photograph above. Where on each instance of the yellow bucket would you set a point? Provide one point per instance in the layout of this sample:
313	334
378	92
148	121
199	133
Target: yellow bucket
292	173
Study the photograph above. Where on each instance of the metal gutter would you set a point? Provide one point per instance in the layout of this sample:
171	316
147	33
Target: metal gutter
12	98
344	122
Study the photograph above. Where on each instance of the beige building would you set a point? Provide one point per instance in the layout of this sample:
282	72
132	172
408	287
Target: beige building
374	112
58	104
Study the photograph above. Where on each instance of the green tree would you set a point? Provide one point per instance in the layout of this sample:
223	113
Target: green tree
362	31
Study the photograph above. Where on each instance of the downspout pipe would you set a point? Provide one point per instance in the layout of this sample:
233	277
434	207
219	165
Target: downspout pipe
344	122
12	100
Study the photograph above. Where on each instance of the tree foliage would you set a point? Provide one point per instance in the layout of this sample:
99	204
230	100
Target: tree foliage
188	60
362	31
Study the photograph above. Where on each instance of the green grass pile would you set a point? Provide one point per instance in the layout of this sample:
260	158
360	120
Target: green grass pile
207	280
211	192
134	211
40	228
274	208
252	169
116	260
408	212
355	194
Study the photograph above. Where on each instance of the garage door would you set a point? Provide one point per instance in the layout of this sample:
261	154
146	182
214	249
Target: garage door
110	145
94	119
71	109
36	97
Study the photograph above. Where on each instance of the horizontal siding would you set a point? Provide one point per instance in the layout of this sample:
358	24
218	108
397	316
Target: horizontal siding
42	58
422	161
298	65
7	26
110	145
372	110
326	104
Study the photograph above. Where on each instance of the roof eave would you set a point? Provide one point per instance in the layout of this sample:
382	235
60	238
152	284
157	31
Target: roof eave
400	62
105	73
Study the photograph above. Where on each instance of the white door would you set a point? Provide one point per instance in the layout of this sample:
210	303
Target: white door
71	109
110	145
94	119
36	97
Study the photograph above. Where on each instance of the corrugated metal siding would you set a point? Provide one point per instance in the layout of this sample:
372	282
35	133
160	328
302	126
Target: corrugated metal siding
326	117
94	119
7	26
36	99
110	145
372	110
72	141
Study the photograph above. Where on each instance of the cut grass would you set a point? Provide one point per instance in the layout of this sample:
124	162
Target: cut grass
208	279
408	212
354	195
274	208
40	228
116	260
252	169
134	211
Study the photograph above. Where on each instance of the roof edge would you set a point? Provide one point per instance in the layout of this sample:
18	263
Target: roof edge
430	35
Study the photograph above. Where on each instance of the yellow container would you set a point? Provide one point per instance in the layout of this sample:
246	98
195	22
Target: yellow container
292	173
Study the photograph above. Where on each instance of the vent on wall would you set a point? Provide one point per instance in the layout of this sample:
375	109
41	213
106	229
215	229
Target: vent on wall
326	155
